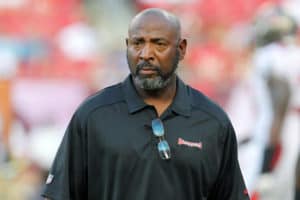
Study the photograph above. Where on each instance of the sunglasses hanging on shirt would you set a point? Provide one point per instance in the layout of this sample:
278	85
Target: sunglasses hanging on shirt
162	146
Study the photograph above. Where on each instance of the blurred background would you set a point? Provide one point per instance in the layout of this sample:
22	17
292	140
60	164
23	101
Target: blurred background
244	54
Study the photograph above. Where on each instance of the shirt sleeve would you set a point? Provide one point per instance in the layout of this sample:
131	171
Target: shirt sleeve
230	183
67	176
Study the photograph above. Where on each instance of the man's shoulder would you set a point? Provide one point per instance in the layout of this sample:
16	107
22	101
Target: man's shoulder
201	102
105	97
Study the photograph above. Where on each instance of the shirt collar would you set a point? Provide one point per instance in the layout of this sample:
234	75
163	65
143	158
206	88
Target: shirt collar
182	100
181	104
133	100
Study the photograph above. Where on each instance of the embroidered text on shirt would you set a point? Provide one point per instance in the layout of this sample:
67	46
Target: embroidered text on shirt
190	144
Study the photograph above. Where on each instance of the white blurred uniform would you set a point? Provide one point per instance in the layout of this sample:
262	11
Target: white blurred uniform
283	61
250	111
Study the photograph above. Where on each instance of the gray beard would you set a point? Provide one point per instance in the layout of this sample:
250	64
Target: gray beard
152	83
158	82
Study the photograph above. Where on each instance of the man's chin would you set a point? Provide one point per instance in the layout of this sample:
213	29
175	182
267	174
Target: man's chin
151	84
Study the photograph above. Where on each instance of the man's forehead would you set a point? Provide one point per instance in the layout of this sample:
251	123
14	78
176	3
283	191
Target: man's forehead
153	24
149	21
152	27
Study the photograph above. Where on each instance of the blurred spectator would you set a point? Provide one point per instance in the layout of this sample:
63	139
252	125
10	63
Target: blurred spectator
249	108
8	67
78	42
277	60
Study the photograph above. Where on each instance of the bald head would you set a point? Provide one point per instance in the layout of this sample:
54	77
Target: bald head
156	15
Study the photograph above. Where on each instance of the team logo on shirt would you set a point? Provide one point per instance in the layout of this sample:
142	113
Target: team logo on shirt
190	144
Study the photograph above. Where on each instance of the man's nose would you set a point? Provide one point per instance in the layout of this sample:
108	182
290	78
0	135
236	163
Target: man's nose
147	53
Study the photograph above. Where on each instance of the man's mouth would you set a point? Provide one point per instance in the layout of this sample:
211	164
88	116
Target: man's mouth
148	71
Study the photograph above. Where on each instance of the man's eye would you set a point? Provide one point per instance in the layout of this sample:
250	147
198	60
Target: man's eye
136	43
161	44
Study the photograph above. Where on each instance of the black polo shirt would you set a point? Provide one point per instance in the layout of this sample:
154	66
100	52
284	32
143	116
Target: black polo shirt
110	153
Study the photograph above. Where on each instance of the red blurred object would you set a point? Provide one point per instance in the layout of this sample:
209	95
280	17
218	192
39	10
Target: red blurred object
276	156
212	67
37	17
42	20
212	11
228	11
255	196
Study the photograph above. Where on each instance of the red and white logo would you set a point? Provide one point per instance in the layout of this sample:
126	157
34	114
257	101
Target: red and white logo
190	144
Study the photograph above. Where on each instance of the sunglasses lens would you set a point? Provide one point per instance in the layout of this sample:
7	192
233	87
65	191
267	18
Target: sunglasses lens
163	146
157	127
164	150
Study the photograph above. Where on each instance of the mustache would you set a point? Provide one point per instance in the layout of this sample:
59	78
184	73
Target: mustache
147	65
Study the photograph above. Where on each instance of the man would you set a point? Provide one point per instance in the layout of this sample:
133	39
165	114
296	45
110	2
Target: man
151	136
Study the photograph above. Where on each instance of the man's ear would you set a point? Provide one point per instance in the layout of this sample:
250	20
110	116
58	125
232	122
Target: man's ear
182	48
126	42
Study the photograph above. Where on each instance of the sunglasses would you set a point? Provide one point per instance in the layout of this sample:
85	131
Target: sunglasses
162	146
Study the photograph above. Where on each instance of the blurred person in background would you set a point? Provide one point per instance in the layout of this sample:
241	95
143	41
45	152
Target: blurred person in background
115	146
8	67
249	107
31	117
277	61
